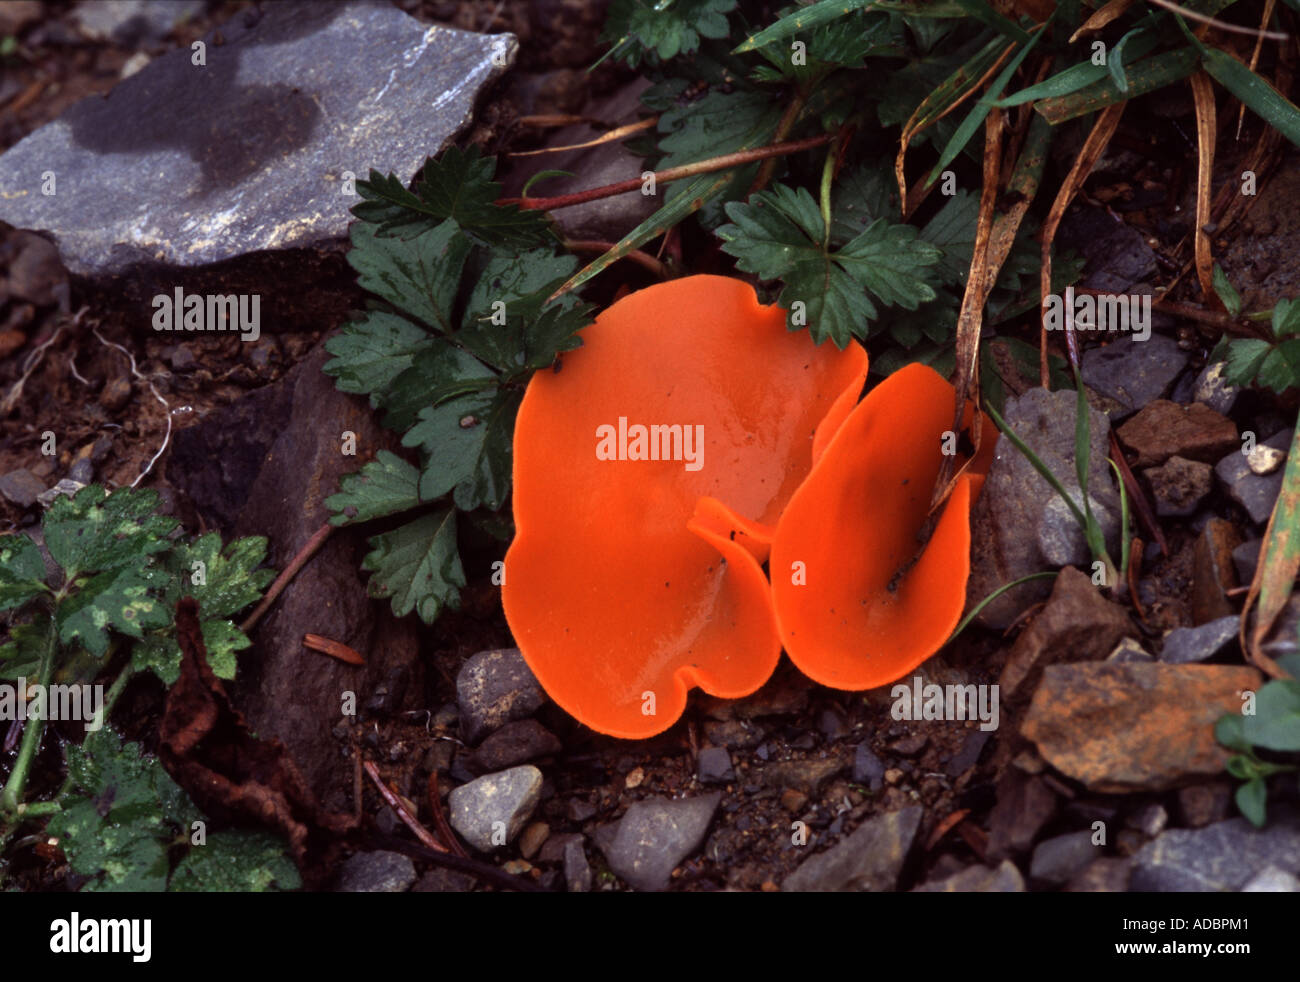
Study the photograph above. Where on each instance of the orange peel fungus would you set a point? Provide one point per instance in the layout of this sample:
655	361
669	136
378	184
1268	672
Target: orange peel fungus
861	601
651	467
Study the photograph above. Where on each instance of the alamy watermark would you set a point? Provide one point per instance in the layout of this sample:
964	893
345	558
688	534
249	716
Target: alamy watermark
52	702
1099	312
947	702
655	442
240	312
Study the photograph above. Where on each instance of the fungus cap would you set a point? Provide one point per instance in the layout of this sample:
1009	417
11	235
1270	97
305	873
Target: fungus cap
857	612
631	579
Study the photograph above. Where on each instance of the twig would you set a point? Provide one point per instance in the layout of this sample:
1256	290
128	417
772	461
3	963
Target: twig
395	803
725	162
305	553
440	820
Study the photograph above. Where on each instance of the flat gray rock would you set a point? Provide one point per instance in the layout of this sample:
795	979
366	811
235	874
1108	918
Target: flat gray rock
184	165
869	860
654	836
1005	878
494	688
1058	859
1133	373
1224	856
376	872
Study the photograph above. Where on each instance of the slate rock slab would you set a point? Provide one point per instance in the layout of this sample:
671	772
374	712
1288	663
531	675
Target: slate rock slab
1256	493
185	165
1133	373
869	860
1223	856
1012	517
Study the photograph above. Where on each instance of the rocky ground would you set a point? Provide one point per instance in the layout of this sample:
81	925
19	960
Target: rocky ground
1102	773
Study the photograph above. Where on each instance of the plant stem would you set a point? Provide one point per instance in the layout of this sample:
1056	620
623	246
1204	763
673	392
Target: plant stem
828	171
32	734
725	162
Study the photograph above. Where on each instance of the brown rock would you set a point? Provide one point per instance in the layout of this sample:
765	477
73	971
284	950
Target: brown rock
264	466
1179	485
1078	624
1213	571
116	393
1134	727
1025	804
1203	804
1164	429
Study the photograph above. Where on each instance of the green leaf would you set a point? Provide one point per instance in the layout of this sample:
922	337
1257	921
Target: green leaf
1276	722
1273	107
118	599
1115	60
1281	369
861	196
418	566
663	30
1252	801
22	571
419	276
779	234
456	186
438	373
372	352
806	17
1143	76
236	861
232	578
131	810
95	530
385	486
1286	318
467	443
1230	297
952	230
1245	358
20	656
1230	732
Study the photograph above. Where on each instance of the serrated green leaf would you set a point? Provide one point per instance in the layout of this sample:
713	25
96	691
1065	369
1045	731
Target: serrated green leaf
952	231
438	373
1286	318
385	486
663	30
1245	358
22	571
467	446
457	186
1281	369
236	860
779	234
232	578
94	530
417	566
372	352
119	599
119	830
419	276
861	196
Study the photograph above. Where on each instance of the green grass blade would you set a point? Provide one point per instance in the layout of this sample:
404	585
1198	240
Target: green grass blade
965	621
802	19
1046	472
1143	77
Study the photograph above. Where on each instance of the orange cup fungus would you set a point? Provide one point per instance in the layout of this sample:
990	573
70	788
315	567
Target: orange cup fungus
657	466
861	601
649	473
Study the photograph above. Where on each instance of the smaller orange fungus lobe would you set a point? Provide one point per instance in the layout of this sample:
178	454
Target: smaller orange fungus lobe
649	476
857	606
